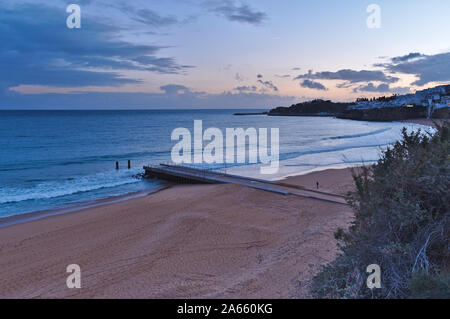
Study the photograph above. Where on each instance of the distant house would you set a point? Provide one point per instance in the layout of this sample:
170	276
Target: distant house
432	98
445	100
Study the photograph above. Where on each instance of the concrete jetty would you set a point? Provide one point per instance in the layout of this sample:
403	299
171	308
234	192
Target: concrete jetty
184	174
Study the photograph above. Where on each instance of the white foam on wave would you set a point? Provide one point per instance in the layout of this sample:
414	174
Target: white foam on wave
53	189
340	152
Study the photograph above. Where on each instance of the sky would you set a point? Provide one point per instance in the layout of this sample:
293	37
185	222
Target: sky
182	54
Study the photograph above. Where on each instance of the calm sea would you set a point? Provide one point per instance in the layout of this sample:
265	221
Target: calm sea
55	159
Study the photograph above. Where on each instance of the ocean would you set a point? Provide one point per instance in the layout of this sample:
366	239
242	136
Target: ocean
57	159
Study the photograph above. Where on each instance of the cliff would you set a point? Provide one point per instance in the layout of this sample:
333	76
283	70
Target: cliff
311	108
391	108
384	114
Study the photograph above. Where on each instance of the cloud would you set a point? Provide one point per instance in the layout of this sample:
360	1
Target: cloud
172	89
284	76
413	55
80	2
373	88
370	87
238	77
428	68
173	96
313	85
148	16
344	85
246	88
240	13
160	65
266	84
269	85
38	49
351	76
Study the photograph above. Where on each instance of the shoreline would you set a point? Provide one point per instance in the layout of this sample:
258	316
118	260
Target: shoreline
421	121
187	241
39	214
35	215
325	168
184	241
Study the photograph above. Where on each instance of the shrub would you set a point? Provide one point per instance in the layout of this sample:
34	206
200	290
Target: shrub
402	223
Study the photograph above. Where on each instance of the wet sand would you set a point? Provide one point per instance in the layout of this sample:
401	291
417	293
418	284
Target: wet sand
188	241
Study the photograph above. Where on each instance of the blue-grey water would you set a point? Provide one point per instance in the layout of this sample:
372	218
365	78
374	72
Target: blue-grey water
54	159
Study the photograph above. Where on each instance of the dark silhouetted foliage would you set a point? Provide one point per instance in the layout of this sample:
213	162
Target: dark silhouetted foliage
402	223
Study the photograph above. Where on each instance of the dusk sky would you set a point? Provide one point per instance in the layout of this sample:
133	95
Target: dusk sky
217	54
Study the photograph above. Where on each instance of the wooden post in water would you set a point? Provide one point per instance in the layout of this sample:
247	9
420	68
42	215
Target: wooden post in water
129	164
117	164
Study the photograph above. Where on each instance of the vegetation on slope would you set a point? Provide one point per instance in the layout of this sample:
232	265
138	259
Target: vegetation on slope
402	223
315	107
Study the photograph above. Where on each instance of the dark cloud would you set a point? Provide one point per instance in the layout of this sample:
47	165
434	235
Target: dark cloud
160	65
284	76
148	16
240	13
412	55
428	68
38	49
381	88
269	85
171	89
246	88
372	88
351	76
344	85
313	85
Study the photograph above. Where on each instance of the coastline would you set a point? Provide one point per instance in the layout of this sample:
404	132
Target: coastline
35	215
187	241
183	241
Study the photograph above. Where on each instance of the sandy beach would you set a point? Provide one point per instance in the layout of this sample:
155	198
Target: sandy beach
188	241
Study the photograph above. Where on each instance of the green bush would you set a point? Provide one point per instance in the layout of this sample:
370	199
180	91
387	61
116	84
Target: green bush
402	223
